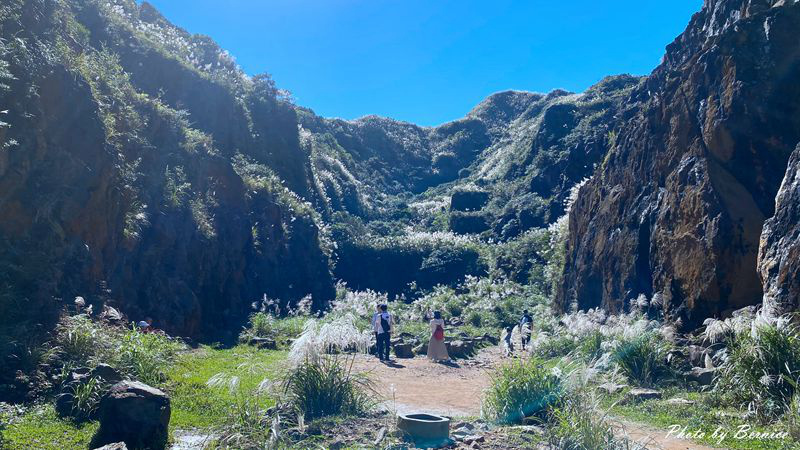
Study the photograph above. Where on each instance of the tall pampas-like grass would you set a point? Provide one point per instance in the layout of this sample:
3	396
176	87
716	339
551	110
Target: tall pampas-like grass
339	335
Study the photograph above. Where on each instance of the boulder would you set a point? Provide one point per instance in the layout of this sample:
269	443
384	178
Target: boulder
639	394
395	341
700	375
678	359
134	413
403	351
114	446
263	343
460	349
494	340
107	373
421	349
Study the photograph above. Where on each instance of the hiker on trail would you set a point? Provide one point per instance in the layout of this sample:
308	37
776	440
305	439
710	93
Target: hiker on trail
509	346
376	327
437	350
382	325
525	328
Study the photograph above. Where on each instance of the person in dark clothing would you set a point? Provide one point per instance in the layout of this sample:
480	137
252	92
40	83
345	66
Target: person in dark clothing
375	327
525	324
382	325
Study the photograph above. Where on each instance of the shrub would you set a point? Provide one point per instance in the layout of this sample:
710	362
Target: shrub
552	346
475	318
454	308
522	389
247	423
327	386
80	342
85	398
580	425
642	359
318	339
591	346
145	355
762	369
265	325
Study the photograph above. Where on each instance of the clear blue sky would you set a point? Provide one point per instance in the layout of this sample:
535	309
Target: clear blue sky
431	61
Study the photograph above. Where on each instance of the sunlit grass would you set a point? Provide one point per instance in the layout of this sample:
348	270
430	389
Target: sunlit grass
40	428
195	404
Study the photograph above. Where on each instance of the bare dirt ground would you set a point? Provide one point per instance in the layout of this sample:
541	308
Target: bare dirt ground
420	385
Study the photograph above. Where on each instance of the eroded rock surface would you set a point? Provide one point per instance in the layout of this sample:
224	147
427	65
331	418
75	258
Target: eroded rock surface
779	255
676	212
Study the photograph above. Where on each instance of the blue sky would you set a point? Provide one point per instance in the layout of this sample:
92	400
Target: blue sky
431	61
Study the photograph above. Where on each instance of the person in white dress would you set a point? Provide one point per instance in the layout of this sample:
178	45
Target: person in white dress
437	350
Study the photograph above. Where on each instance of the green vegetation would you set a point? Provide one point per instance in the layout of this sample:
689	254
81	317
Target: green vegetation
580	424
702	417
81	342
762	370
202	399
328	387
41	428
265	325
523	389
643	359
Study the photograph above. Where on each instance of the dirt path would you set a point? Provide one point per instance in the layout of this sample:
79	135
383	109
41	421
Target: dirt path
419	385
422	385
654	438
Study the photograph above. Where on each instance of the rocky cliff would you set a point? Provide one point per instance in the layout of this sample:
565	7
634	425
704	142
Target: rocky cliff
779	255
141	168
677	212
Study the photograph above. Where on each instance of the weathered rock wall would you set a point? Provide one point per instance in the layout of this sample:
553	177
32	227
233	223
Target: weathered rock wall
677	211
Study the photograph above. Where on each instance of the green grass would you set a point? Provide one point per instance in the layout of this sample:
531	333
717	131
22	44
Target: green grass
40	428
700	416
197	405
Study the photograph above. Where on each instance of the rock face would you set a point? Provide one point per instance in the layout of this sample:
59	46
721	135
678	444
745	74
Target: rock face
779	254
136	414
158	178
676	211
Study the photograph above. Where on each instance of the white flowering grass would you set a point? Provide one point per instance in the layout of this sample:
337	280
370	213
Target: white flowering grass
762	366
318	339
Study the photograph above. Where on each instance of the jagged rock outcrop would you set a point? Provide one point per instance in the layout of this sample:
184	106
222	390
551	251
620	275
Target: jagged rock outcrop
676	211
779	254
140	167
